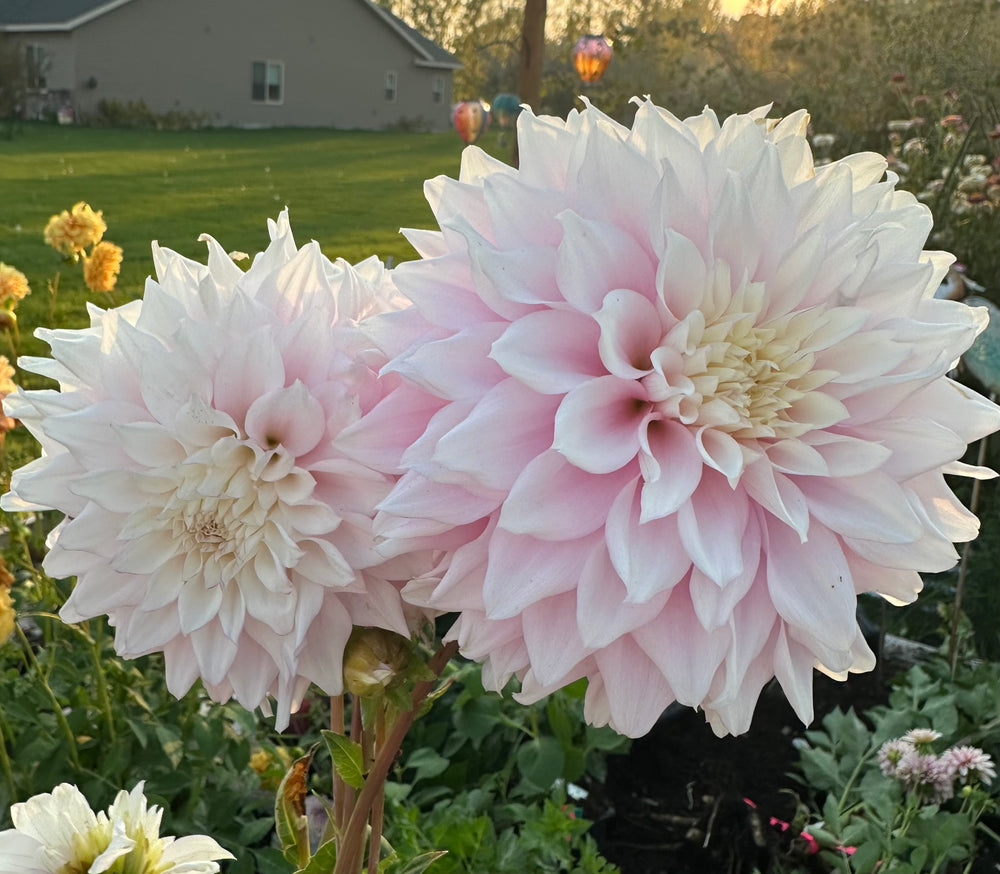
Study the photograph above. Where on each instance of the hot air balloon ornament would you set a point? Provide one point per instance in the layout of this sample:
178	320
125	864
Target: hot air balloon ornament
505	109
591	56
470	118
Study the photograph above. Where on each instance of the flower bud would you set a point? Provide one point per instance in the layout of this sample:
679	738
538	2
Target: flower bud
373	659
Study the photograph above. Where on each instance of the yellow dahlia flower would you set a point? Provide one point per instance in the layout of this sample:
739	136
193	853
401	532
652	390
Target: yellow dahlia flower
13	284
73	230
100	270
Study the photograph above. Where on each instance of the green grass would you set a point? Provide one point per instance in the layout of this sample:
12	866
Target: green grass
351	191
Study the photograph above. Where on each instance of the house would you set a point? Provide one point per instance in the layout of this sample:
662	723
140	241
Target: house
252	63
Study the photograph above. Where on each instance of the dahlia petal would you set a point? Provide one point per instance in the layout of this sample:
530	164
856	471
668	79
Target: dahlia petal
441	367
291	417
554	500
778	495
711	527
929	554
671	465
145	554
685	653
552	638
197	605
603	609
214	651
647	556
380	438
871	506
149	444
244	372
597	424
523	570
898	587
817	565
681	275
630	330
550	351
636	690
596	257
844	455
721	452
714	604
509	426
793	668
415	495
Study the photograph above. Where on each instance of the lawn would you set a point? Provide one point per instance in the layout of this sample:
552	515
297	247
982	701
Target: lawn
351	191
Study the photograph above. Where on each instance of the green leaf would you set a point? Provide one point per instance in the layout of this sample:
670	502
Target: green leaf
541	761
323	860
417	864
290	811
347	758
427	763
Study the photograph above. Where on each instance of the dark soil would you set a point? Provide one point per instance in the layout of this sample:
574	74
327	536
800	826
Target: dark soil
686	802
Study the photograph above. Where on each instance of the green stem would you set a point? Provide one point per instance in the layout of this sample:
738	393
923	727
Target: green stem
56	707
353	839
102	686
8	772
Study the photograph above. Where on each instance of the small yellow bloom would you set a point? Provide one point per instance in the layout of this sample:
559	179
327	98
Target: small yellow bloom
73	230
13	284
260	761
6	615
100	270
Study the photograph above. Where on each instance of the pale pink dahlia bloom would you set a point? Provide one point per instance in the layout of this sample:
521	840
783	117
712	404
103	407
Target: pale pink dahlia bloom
683	395
193	449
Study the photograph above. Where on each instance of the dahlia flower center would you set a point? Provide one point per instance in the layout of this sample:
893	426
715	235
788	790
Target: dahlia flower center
737	374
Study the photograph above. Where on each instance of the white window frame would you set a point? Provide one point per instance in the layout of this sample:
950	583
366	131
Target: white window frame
36	63
269	67
391	86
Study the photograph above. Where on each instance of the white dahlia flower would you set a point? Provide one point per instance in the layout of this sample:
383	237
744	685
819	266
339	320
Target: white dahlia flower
192	447
58	833
684	395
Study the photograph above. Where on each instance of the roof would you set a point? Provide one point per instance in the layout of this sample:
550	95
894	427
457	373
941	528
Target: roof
432	54
67	15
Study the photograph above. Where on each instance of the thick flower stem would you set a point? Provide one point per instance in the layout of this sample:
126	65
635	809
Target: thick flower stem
352	845
378	808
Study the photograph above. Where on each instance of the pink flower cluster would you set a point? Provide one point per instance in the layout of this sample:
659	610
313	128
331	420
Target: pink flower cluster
932	777
650	410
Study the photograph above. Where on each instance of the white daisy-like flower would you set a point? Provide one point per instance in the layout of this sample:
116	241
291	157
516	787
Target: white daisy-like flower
58	833
192	447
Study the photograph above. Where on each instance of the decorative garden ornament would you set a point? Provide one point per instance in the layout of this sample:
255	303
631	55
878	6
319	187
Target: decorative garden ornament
591	56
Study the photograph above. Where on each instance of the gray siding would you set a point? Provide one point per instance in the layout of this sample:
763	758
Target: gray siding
197	55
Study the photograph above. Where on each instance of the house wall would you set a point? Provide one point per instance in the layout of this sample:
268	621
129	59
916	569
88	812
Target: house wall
197	55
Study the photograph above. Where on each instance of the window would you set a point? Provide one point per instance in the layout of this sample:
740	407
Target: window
390	86
36	66
437	89
268	82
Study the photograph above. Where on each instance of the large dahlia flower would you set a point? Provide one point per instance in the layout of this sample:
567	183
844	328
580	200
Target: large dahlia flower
684	395
193	450
58	833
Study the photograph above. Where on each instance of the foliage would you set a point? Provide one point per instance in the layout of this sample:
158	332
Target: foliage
13	78
854	805
135	113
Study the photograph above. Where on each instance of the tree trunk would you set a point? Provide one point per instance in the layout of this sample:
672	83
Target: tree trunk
529	79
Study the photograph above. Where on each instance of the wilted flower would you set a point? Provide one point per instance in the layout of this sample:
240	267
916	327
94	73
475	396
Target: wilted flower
58	833
101	267
13	285
680	395
73	230
969	764
193	450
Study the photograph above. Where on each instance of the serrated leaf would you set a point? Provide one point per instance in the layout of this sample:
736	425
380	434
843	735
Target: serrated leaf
290	811
348	759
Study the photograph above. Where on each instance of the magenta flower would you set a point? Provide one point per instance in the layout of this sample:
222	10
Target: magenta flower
192	447
681	396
